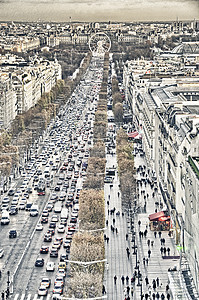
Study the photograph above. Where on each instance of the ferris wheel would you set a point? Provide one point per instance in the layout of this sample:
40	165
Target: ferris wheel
99	43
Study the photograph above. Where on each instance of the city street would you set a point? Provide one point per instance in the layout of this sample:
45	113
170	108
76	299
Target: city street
119	264
62	153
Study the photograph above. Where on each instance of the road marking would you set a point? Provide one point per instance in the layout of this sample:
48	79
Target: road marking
48	297
29	297
23	296
16	297
35	297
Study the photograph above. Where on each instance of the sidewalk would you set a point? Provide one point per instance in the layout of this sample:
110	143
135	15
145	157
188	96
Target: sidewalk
118	262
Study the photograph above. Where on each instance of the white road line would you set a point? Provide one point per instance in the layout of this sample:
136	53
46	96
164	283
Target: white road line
29	297
23	296
48	297
16	297
35	297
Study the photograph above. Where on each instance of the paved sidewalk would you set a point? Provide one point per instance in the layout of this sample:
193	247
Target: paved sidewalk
118	262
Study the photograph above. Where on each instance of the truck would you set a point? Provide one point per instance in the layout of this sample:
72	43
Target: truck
5	218
34	210
64	216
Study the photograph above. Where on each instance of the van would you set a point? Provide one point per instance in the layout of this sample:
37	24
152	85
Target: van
5	219
34	210
57	207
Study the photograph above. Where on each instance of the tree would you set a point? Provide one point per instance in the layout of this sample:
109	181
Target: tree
118	112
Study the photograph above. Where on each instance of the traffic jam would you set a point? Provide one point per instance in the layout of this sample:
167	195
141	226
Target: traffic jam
49	186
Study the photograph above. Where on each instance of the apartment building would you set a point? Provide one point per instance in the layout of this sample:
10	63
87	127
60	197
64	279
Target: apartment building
165	108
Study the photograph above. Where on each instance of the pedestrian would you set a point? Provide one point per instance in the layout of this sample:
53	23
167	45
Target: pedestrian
106	222
107	203
115	279
148	243
167	288
146	280
118	194
145	233
157	295
113	229
107	239
107	266
132	280
159	233
163	240
139	223
122	278
127	237
108	212
155	234
144	260
168	296
161	250
128	254
109	197
153	296
152	243
157	281
113	221
162	296
116	231
146	296
168	250
128	289
132	291
140	234
127	249
165	250
154	285
103	290
149	253
147	261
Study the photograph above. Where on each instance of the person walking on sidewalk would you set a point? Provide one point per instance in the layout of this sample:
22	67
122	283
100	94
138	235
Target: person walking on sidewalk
149	253
122	278
115	279
103	290
168	250
157	281
155	234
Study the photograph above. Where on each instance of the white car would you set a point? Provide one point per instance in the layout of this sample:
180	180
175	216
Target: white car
42	291
39	227
61	228
50	266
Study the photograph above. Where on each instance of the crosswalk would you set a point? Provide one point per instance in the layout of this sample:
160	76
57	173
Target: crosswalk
32	297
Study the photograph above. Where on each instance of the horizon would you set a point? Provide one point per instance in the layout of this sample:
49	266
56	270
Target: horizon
98	11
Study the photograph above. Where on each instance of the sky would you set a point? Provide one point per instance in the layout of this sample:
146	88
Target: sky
98	10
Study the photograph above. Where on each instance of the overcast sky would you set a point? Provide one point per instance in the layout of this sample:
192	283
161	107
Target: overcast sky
98	10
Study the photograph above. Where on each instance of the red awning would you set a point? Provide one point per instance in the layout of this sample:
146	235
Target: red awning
156	216
133	134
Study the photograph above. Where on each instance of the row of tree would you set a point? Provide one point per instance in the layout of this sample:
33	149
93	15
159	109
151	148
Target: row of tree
87	249
126	170
117	101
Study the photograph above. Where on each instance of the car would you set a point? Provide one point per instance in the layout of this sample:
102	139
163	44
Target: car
58	290
57	188
4	206
39	227
6	200
46	282
44	220
56	245
13	210
59	280
11	192
22	206
12	234
28	206
49	207
44	249
50	266
45	213
67	244
61	228
54	253
47	237
108	179
39	262
63	257
61	272
42	291
52	225
51	231
1	253
54	218
59	239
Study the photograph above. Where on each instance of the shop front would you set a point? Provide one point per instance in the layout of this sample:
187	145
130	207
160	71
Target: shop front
160	221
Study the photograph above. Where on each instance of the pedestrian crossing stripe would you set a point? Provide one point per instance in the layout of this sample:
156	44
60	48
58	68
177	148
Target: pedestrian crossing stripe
31	297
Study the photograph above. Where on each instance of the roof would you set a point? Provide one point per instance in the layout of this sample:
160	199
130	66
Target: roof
133	134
